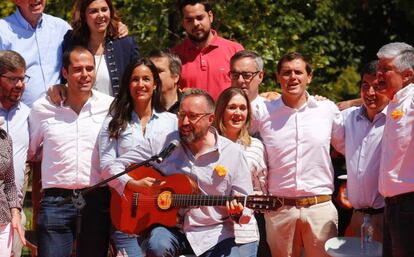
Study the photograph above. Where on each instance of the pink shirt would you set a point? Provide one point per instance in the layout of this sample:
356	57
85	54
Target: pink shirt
297	143
397	156
207	68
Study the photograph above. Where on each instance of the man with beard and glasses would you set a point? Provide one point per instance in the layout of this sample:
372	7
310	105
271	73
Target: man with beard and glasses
205	56
15	114
216	164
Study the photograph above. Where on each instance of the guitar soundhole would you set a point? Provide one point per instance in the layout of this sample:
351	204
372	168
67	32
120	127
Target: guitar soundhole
164	200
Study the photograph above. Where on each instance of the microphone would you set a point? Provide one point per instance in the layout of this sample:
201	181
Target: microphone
167	151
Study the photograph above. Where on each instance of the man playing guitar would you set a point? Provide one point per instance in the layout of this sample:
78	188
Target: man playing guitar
219	168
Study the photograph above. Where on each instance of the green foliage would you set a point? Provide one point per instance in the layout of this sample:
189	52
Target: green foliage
337	36
6	7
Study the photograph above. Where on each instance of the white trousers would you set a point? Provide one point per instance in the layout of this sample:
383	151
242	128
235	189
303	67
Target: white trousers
6	240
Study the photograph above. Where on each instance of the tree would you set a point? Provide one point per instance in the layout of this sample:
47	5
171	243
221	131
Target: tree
338	36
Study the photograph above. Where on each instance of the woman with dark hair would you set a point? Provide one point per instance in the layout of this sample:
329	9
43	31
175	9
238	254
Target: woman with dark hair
136	117
96	26
10	217
233	116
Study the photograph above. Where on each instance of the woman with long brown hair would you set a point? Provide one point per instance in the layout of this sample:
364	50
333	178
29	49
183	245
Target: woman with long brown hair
233	116
96	26
136	117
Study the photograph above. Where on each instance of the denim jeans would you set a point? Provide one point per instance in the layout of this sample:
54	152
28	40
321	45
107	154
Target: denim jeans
170	242
399	227
56	226
126	244
248	249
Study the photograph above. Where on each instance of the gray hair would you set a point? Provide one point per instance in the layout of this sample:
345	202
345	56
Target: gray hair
174	62
401	53
248	54
11	61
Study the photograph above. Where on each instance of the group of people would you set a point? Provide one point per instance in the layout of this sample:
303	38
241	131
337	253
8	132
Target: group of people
84	103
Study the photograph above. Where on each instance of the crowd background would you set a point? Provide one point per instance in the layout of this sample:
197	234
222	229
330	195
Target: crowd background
335	34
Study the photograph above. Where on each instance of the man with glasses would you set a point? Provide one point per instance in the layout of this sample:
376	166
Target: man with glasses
29	31
204	55
396	179
361	146
15	114
217	165
246	72
297	131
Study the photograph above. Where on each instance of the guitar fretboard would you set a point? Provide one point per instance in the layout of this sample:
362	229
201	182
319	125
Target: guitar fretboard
182	200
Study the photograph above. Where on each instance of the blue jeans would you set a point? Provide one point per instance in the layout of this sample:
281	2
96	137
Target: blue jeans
399	226
126	244
56	225
170	242
249	249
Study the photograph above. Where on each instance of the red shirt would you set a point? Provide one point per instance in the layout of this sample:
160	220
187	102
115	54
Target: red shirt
207	68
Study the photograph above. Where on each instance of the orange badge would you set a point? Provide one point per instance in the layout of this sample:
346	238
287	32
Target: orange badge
396	114
221	171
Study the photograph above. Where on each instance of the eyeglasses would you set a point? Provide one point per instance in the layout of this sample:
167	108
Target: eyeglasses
16	80
192	117
234	75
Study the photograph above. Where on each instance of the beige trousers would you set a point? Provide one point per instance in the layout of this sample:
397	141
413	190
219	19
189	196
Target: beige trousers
290	230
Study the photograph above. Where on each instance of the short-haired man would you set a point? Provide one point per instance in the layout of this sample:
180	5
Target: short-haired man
205	56
396	180
68	137
297	131
15	114
246	72
207	230
364	127
38	38
169	68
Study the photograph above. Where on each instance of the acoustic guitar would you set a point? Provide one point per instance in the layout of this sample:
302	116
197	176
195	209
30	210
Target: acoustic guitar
138	211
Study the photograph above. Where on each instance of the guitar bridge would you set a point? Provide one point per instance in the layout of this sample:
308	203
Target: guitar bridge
134	205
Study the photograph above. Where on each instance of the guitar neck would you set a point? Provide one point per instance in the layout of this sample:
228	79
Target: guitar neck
183	200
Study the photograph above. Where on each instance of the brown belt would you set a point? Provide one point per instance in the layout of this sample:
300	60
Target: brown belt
304	201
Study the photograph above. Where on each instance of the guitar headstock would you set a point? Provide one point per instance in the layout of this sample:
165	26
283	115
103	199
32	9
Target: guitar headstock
263	202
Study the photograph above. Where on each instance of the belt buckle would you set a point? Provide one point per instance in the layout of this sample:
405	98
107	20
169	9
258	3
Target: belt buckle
306	202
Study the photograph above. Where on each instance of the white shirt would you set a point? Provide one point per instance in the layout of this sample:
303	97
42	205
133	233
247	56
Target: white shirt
70	148
17	126
397	156
297	143
160	130
362	150
257	106
103	82
256	161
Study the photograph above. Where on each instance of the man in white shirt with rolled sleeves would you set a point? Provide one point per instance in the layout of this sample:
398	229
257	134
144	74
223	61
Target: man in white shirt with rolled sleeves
297	131
364	127
396	180
67	135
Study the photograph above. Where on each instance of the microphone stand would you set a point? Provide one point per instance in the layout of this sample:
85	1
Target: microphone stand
79	202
